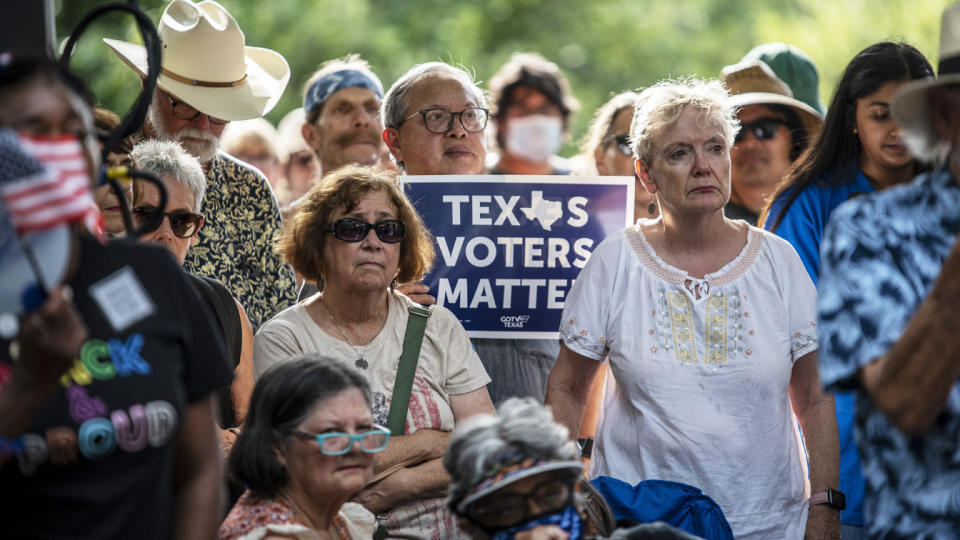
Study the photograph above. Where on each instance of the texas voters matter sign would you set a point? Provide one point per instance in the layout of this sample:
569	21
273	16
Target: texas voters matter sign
509	247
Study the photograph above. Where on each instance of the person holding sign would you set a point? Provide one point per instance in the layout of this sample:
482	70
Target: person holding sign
358	235
435	117
710	328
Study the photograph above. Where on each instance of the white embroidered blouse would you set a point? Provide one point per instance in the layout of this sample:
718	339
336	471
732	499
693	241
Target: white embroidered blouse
701	370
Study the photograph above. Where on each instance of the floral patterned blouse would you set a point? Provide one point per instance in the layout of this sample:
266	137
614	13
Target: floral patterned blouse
701	372
235	244
254	517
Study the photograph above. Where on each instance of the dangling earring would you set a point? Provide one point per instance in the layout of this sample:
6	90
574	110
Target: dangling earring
652	208
320	282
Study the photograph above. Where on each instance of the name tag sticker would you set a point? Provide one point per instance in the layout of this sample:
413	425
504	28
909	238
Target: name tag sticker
122	299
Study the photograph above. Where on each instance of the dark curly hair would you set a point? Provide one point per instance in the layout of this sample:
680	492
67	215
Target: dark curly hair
281	400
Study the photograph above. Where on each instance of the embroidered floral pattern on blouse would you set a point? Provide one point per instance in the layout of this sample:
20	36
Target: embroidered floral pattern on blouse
235	244
724	334
801	344
570	333
680	316
675	328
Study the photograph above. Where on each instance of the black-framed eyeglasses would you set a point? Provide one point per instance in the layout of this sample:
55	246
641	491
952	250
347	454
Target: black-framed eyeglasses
440	120
186	112
183	224
504	510
762	129
390	231
623	143
337	443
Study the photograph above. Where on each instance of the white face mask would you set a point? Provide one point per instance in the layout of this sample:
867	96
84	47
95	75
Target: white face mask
534	138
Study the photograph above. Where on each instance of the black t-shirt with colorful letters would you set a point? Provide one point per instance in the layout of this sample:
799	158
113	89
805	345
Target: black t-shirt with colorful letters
98	461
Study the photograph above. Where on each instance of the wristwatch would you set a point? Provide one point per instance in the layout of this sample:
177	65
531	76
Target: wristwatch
832	497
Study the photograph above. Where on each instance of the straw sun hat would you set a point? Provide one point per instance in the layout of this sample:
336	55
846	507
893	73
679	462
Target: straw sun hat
752	82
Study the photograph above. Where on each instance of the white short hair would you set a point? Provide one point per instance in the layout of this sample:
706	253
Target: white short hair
167	158
662	104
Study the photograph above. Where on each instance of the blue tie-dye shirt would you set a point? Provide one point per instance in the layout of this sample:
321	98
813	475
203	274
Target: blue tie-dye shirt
880	256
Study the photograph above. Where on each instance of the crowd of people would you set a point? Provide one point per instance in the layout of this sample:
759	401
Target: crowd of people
770	346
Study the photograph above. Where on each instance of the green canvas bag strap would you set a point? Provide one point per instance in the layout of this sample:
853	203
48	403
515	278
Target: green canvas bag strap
412	339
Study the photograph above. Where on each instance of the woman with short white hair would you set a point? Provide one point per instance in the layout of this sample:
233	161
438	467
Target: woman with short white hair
183	178
710	328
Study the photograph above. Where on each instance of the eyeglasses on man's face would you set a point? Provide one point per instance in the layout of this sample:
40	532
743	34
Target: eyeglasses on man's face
186	112
337	443
390	231
183	224
440	120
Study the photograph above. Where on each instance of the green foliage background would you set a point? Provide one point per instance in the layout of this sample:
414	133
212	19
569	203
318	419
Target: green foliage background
604	46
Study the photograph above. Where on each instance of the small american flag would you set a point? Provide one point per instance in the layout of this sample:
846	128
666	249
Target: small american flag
47	187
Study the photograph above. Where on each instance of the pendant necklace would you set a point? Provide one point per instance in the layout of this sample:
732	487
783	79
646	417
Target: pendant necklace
361	363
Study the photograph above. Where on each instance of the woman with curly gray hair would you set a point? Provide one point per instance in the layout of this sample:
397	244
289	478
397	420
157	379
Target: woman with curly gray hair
517	476
514	472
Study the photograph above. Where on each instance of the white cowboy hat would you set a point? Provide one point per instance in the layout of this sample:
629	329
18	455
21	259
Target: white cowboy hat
909	106
752	82
206	63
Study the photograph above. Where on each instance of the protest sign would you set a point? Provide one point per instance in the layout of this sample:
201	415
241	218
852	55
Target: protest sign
509	247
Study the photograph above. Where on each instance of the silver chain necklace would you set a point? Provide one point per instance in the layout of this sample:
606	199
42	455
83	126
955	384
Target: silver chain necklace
361	363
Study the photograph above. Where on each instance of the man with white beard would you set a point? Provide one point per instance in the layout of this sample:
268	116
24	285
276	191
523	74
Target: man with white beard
208	78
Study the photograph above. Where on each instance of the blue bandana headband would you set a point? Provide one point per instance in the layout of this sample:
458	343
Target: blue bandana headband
336	81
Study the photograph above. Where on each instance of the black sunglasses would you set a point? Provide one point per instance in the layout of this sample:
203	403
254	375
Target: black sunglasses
762	129
183	224
623	143
390	231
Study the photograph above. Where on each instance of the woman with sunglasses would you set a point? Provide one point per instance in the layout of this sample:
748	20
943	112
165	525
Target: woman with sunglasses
357	235
709	328
183	178
860	150
606	149
307	447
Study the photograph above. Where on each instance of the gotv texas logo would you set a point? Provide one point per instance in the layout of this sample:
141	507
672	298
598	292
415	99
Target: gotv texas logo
514	321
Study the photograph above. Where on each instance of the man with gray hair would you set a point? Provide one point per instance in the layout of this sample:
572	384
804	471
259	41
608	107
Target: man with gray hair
889	291
183	178
435	118
200	89
341	101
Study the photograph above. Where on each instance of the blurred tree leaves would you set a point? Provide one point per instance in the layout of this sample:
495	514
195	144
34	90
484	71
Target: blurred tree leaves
604	46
